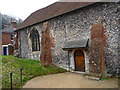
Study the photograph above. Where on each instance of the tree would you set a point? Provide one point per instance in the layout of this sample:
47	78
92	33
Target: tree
5	20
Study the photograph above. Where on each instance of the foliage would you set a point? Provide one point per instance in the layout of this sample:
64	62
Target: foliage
5	20
31	69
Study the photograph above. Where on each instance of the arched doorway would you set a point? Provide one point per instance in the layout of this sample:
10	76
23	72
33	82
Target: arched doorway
79	60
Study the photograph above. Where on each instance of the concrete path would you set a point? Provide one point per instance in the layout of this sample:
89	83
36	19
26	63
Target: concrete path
69	80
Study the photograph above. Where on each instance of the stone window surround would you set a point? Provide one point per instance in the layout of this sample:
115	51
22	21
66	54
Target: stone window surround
30	43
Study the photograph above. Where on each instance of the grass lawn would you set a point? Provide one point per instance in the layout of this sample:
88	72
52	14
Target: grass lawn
31	69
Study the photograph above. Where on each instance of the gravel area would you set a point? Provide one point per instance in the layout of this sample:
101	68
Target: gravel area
69	80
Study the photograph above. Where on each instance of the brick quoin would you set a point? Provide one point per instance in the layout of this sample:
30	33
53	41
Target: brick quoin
46	58
97	50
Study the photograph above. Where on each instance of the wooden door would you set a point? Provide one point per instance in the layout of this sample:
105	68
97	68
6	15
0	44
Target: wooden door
79	60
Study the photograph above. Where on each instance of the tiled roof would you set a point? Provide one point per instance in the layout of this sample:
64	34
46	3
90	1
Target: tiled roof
76	44
9	29
51	11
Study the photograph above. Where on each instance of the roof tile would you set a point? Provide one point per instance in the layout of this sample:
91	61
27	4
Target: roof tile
51	11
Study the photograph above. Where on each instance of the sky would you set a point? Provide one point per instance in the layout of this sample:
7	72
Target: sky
22	8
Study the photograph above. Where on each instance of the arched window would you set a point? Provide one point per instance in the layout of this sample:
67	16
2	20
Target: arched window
34	35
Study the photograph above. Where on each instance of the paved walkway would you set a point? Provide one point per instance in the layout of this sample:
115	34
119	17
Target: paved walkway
69	80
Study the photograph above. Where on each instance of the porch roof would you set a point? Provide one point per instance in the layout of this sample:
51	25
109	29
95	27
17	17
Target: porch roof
76	44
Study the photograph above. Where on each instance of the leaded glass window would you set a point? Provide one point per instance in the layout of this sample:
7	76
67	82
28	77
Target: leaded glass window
34	35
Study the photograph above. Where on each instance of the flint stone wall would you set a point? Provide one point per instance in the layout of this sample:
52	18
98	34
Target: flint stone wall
76	25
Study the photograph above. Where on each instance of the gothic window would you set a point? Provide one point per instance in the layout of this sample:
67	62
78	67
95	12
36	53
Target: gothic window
34	35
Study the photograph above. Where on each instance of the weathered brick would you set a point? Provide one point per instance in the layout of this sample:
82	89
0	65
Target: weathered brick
46	57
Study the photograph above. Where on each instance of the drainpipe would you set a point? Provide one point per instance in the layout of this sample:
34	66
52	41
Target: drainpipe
68	62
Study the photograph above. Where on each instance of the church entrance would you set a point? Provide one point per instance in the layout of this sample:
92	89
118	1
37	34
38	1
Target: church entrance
79	60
